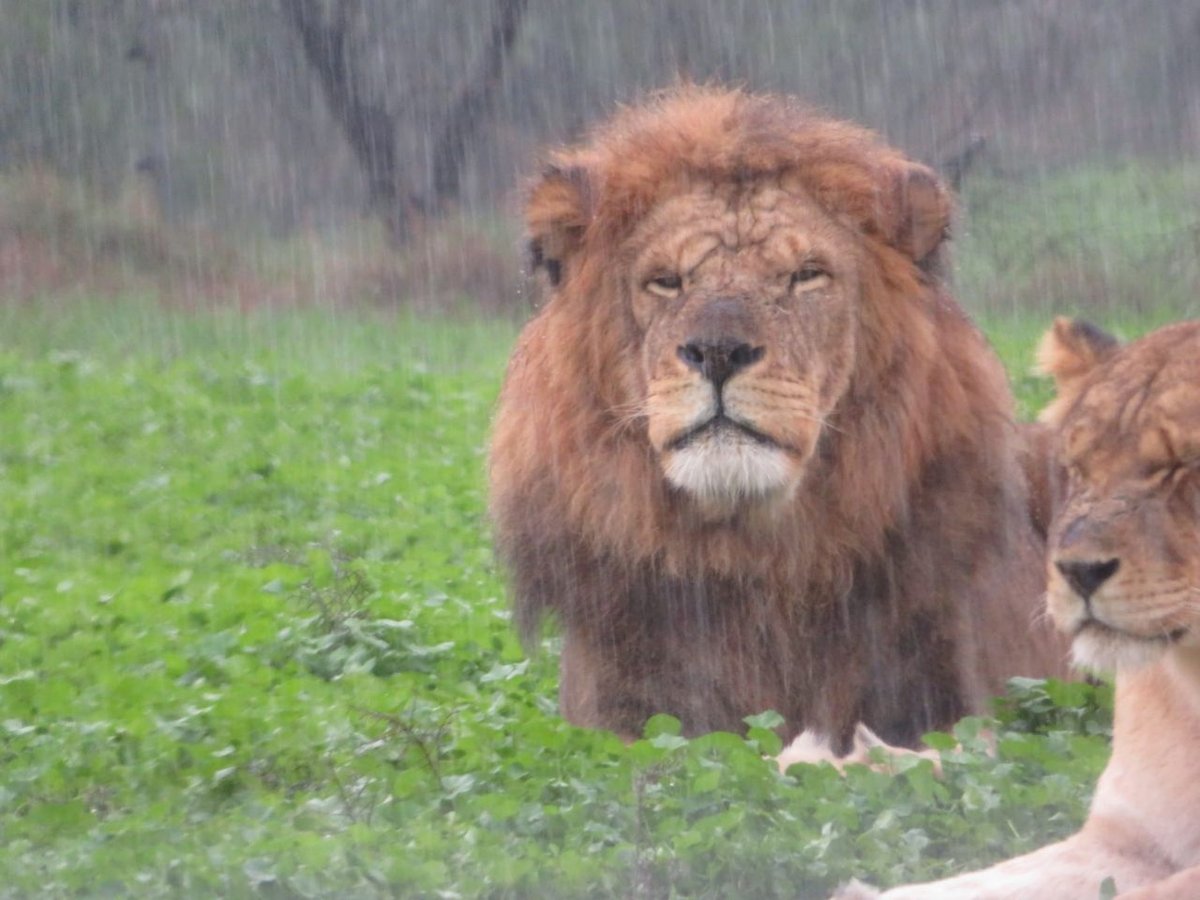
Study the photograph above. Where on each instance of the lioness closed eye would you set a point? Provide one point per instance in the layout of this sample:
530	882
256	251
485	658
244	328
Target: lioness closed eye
1124	584
751	454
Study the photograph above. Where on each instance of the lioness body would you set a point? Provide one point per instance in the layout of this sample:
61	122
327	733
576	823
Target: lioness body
751	453
1125	585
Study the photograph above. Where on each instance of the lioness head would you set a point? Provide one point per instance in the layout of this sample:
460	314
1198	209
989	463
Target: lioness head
1124	562
738	256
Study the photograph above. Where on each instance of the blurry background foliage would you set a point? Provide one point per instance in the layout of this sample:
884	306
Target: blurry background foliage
338	151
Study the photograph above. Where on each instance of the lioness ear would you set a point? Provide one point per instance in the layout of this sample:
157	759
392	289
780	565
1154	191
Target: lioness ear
1068	351
557	213
1072	348
922	213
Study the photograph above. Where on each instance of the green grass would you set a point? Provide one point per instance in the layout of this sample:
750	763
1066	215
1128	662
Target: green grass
1119	242
253	643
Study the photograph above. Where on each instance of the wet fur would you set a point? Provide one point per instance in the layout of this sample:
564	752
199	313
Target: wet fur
1133	498
897	585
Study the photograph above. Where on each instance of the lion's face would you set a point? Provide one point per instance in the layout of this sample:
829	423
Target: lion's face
713	247
750	440
1124	573
745	297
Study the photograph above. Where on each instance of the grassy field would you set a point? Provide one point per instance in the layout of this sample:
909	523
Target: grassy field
253	643
1117	242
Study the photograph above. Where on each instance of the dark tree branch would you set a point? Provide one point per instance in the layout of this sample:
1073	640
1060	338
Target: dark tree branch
371	130
474	101
368	127
958	164
678	20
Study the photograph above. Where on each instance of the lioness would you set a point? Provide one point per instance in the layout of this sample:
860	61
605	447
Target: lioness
1124	572
751	453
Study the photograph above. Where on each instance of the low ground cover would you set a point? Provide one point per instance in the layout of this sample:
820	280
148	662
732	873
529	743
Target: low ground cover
253	642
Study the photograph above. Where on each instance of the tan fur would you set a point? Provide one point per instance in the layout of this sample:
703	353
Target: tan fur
1128	429
866	553
812	748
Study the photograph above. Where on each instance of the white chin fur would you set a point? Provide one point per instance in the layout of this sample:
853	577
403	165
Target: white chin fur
727	470
1105	652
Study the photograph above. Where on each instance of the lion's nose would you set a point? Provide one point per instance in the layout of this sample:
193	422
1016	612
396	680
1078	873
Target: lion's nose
720	360
1086	576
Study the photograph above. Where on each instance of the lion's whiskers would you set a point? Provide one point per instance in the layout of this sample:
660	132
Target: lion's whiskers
821	420
625	416
1041	615
1191	603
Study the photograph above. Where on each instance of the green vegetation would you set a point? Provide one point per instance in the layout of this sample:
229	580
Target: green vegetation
253	642
1115	242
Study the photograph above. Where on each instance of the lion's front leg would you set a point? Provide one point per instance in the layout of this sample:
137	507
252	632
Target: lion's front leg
1183	885
581	671
1074	869
813	747
618	681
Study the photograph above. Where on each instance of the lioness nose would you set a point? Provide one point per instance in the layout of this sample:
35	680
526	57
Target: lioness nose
718	361
1085	577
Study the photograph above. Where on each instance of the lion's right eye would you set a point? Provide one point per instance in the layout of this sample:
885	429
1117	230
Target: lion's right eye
1174	470
667	286
807	277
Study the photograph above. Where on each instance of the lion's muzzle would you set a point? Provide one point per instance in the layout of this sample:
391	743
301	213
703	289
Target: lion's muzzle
719	420
1085	576
718	360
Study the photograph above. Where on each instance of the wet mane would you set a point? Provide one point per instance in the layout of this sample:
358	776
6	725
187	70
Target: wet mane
914	494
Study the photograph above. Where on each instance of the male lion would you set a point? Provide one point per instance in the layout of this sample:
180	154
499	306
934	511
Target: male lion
751	453
1124	572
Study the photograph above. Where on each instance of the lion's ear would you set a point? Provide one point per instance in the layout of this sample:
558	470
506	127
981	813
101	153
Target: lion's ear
1070	350
557	214
921	214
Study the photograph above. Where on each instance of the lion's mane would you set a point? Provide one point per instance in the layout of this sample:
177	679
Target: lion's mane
899	584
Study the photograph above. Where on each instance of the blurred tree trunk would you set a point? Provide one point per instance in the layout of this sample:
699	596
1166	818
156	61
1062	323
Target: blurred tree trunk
680	23
145	54
367	126
474	100
370	128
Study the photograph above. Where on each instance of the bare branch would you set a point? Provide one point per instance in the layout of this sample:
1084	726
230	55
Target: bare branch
474	101
368	127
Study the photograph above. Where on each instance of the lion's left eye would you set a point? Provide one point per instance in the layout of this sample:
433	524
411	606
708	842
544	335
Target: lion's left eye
665	285
807	276
1176	469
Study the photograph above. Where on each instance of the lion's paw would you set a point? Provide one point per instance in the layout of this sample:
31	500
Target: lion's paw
855	890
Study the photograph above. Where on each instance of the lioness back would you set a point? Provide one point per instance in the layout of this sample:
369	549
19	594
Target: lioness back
751	454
